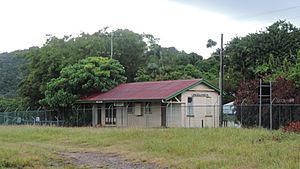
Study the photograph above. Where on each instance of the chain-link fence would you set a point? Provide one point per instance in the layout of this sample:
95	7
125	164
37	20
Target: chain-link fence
168	115
137	115
74	117
32	117
272	116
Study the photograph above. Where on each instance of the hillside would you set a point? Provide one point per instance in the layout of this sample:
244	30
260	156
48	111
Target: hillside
10	74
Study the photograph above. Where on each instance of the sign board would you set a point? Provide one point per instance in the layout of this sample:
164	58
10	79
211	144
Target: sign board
200	95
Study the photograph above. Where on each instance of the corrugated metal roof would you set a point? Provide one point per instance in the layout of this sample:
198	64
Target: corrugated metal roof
155	90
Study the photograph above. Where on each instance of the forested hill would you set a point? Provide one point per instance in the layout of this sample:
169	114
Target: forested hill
65	69
140	55
10	74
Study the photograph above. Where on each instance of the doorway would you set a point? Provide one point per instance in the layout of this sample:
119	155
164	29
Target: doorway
110	114
99	116
163	115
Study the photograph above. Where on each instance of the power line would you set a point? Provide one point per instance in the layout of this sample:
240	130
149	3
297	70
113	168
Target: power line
295	17
270	12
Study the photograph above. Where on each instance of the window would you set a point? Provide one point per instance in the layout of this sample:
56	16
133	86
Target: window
110	114
147	108
190	99
138	109
209	106
190	112
130	108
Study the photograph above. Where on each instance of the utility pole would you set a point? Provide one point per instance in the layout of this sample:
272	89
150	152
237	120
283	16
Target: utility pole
111	45
221	82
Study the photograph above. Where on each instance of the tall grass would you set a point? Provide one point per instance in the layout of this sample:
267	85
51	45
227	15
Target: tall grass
38	147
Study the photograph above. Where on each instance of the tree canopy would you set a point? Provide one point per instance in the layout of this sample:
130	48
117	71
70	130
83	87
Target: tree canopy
46	63
90	75
264	54
267	54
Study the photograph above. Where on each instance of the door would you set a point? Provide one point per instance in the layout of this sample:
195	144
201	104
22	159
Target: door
110	114
163	115
99	116
208	121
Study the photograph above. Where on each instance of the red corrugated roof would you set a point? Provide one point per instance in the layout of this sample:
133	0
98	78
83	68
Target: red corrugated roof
155	90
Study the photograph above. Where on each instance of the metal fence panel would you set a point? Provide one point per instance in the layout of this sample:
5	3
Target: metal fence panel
158	116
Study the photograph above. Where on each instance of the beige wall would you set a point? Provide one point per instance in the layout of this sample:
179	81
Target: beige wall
205	109
125	119
174	115
152	119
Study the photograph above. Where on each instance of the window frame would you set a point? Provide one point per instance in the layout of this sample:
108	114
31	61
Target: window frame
130	108
147	108
190	111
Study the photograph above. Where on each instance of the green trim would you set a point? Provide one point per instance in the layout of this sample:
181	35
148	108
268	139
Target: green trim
211	85
194	85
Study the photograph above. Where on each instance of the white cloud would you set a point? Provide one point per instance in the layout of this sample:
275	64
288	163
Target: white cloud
25	23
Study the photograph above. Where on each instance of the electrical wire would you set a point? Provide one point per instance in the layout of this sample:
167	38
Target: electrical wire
269	12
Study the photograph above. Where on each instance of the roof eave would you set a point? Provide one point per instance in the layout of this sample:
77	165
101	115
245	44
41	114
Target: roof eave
192	86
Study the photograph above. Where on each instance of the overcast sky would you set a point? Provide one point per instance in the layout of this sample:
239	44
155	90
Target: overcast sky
184	24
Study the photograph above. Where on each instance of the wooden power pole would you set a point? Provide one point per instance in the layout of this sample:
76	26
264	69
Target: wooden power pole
221	82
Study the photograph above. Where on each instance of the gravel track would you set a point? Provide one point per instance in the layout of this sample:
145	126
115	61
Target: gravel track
103	160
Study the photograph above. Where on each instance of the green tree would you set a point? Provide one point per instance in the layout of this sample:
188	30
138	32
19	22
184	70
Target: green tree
90	75
262	54
129	49
169	63
211	43
46	63
293	72
280	40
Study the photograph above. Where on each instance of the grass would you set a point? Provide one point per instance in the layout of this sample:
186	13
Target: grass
38	147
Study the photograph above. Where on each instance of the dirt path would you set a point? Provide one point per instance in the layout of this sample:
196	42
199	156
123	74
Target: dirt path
103	160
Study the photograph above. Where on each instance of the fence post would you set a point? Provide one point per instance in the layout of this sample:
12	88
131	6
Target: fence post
290	113
33	120
38	115
271	101
26	111
171	115
122	117
242	112
279	118
57	122
84	115
77	115
5	116
50	116
260	101
45	119
241	115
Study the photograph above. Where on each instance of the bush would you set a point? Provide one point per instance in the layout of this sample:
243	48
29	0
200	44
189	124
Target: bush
292	127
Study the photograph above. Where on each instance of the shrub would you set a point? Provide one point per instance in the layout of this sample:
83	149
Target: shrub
292	127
